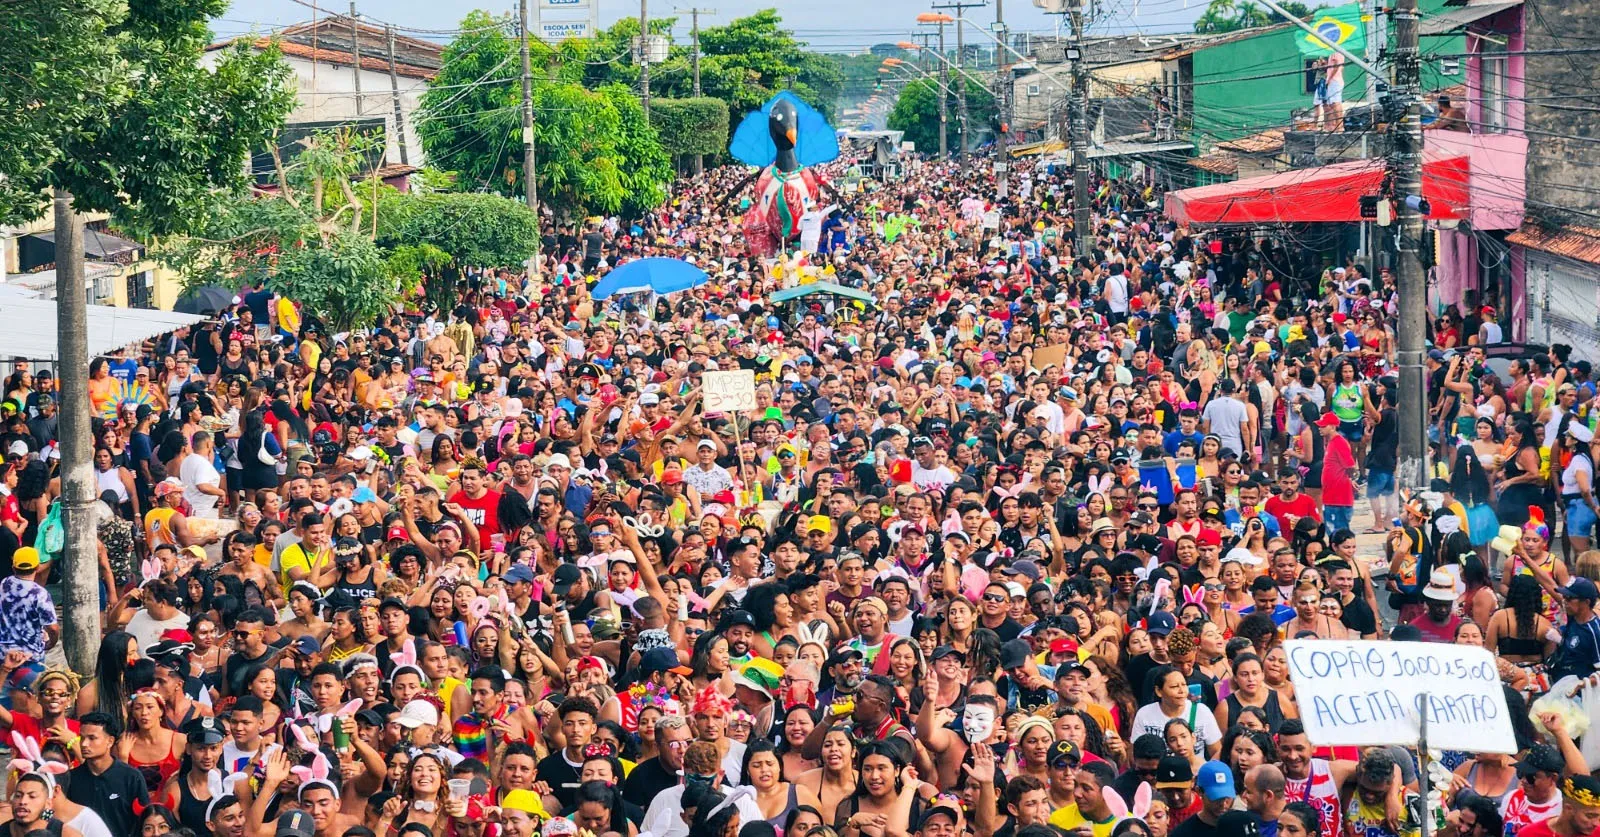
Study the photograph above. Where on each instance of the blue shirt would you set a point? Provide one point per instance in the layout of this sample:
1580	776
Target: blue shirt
1580	649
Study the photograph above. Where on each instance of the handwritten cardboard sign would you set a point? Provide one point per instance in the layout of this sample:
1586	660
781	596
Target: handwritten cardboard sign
730	392
1362	693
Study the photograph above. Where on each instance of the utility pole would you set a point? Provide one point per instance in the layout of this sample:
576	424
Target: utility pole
944	99
394	94
80	580
694	57
1078	120
961	84
1405	165
1002	83
530	180
355	54
644	57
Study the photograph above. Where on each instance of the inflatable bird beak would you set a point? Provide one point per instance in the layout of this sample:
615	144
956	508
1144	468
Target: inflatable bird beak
791	135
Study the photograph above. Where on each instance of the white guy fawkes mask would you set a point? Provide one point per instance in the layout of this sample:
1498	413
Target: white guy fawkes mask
977	722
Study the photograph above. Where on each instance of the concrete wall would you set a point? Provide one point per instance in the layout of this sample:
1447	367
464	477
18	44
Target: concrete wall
326	91
1562	170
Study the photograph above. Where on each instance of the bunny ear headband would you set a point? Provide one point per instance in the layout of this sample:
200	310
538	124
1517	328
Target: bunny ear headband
644	526
29	761
315	776
1119	809
149	570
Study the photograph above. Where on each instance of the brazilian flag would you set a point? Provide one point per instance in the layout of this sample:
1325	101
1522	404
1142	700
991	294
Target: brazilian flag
1341	25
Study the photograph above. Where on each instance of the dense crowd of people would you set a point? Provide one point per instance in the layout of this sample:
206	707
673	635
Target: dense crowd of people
1013	550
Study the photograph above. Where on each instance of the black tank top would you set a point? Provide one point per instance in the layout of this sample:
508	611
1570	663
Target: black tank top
192	810
1273	711
358	590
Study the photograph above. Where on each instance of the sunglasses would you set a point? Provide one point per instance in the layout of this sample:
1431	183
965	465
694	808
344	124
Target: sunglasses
993	597
1215	588
1063	763
1149	506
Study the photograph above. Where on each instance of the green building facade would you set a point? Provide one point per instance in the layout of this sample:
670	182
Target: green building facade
1255	82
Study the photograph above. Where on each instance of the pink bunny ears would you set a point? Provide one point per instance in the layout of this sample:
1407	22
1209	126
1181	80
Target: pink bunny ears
1119	809
30	760
149	570
316	775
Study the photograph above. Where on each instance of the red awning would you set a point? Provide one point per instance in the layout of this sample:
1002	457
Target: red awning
1324	193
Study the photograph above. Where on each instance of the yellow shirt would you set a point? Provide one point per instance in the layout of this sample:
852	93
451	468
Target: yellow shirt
288	316
1067	818
295	556
447	688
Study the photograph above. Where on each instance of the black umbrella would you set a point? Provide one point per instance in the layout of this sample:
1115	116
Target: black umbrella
207	299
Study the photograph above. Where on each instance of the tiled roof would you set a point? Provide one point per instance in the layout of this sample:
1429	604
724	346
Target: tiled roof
1217	162
1266	142
1574	242
329	39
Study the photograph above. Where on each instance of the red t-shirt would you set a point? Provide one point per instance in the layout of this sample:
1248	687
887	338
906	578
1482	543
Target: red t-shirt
1337	488
1301	506
484	513
29	727
1543	829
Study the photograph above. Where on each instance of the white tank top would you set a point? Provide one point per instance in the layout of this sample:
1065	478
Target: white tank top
1318	791
110	481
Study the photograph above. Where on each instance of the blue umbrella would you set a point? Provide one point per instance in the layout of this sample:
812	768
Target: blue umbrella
661	275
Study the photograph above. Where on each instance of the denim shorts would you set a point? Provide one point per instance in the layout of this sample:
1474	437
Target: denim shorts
1353	431
1580	519
1336	517
1379	483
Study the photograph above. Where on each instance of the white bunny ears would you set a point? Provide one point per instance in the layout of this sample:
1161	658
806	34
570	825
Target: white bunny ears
1120	810
644	526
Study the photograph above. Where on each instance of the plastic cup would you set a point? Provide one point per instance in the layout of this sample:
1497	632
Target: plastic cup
460	788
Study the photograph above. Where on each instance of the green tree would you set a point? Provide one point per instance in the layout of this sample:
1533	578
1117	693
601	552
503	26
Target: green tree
595	152
311	240
1233	15
110	100
916	112
439	234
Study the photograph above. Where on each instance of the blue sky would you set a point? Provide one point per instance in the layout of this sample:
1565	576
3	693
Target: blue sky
827	25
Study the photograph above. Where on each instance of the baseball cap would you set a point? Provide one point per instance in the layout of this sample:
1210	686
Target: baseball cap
947	651
518	572
307	644
397	533
662	659
1215	780
1174	772
938	811
418	713
26	558
1160	623
565	576
392	601
1543	758
737	617
1577	588
1328	420
1064	751
1014	653
295	824
1238	824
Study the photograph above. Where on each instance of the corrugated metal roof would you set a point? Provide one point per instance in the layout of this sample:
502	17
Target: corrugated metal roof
1446	22
1571	241
28	327
1242	34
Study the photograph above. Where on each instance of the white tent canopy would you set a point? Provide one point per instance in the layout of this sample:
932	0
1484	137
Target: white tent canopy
28	327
